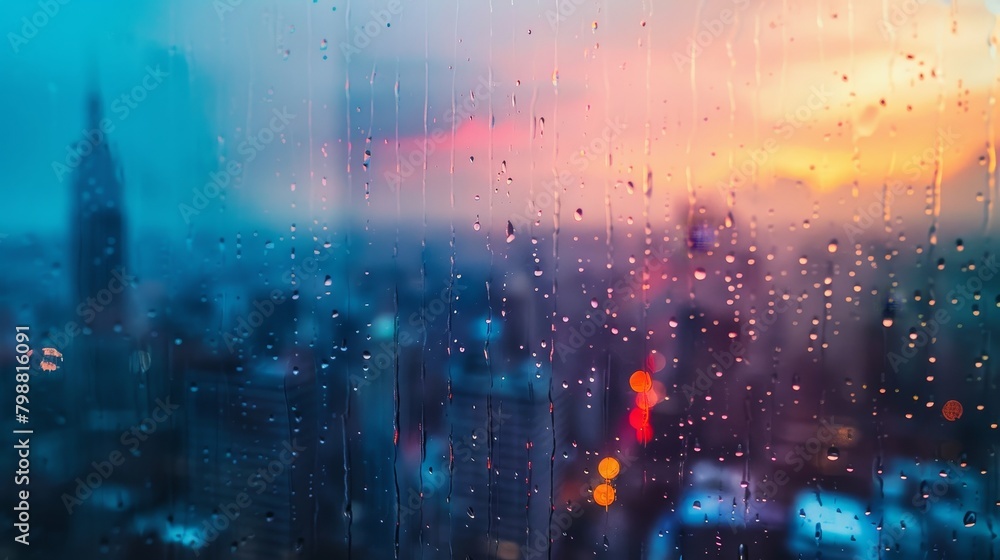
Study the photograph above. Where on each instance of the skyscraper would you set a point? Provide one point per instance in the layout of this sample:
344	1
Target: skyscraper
97	364
97	235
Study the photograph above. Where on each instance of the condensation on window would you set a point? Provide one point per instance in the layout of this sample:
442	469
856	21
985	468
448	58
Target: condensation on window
502	280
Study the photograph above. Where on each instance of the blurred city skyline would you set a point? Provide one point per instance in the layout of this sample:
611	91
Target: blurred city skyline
397	280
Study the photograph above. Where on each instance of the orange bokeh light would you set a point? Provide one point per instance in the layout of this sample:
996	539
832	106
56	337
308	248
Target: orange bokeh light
640	382
604	494
608	468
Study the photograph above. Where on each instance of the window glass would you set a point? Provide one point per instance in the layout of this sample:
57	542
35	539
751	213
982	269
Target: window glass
500	280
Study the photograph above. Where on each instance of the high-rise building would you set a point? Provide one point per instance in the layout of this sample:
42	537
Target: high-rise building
97	363
110	383
240	430
97	234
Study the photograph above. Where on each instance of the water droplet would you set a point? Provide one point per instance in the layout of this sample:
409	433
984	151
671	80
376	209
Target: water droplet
867	121
970	519
139	361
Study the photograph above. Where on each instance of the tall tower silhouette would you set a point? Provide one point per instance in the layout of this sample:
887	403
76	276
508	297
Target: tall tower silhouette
98	376
97	235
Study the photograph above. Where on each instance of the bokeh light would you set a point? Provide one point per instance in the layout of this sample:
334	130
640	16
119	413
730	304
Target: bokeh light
640	381
638	417
608	468
655	362
647	399
604	494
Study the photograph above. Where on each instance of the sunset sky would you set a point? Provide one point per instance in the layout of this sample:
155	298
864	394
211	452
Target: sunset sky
822	93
